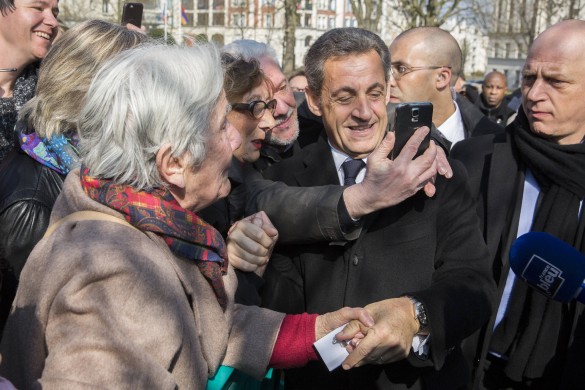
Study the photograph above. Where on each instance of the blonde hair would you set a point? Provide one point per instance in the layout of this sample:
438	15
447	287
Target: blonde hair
67	71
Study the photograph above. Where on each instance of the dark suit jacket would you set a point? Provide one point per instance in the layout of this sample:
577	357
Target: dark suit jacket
428	248
497	181
496	177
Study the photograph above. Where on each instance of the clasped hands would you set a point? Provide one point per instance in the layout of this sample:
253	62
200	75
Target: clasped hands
380	333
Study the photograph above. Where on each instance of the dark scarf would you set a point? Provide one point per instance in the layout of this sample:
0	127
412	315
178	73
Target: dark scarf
157	211
24	89
537	333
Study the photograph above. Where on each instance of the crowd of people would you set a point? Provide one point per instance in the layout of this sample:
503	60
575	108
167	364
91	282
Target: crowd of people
191	217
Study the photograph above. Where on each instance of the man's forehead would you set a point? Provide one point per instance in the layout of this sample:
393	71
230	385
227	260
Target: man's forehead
334	84
546	64
272	70
407	50
495	78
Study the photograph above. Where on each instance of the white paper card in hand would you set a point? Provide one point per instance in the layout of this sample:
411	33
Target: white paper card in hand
332	352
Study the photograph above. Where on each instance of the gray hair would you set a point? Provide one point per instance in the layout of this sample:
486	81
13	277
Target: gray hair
143	99
341	42
249	49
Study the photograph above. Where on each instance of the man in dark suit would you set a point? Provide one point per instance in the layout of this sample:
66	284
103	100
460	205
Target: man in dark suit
426	62
533	179
419	266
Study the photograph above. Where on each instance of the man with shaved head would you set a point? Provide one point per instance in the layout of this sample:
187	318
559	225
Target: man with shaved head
532	178
491	101
425	64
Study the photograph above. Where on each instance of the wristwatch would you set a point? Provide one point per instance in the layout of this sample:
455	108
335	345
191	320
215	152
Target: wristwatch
420	314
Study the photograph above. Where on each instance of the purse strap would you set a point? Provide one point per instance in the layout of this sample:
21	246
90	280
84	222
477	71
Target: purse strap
85	216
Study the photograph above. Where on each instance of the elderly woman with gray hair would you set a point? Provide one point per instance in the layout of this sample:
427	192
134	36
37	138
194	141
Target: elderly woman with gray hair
31	176
129	287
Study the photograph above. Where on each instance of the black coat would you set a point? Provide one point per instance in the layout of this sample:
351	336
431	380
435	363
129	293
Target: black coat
28	191
499	115
497	175
428	248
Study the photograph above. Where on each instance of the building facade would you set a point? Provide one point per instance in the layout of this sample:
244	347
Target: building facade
513	25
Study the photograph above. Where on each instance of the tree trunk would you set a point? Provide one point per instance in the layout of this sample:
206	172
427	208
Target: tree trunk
290	25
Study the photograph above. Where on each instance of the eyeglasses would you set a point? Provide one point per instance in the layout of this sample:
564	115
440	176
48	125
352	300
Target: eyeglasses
255	108
398	70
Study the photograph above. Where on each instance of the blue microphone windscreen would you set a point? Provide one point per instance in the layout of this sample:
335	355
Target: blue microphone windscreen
549	265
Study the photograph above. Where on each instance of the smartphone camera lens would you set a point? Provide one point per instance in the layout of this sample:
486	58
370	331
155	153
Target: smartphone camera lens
415	112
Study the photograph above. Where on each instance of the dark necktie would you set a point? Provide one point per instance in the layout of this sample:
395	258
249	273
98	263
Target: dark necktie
351	168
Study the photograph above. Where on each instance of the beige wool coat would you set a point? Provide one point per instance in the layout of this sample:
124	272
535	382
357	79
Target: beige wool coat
104	305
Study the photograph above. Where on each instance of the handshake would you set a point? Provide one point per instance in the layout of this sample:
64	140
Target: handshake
380	333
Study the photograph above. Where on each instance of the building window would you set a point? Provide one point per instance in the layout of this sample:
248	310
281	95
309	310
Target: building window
238	3
331	22
239	20
308	40
308	5
203	19
308	20
218	19
202	4
218	4
332	4
521	51
218	39
105	6
268	20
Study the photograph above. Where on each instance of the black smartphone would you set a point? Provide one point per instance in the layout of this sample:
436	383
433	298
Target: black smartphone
407	118
132	13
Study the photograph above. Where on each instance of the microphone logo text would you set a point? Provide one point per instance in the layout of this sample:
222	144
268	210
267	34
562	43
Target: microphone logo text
543	275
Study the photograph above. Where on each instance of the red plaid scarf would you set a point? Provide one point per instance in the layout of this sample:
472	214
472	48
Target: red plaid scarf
157	211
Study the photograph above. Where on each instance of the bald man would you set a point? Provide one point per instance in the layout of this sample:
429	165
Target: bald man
425	64
491	101
532	178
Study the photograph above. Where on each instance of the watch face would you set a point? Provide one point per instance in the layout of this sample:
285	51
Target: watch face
421	314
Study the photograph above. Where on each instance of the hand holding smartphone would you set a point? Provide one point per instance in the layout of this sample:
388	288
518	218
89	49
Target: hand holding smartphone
132	14
409	117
